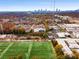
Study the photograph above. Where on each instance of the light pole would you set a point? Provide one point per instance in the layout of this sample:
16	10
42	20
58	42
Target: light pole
53	5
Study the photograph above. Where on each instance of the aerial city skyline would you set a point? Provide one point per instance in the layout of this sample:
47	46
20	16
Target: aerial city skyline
30	5
39	29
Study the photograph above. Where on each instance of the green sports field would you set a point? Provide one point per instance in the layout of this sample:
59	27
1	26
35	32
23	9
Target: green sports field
27	50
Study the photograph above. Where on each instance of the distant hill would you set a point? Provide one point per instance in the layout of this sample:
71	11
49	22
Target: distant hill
15	13
72	13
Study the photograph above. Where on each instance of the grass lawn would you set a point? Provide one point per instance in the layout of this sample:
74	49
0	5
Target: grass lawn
27	50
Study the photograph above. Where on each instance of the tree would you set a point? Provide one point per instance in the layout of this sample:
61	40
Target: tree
7	27
58	49
45	35
31	31
55	43
18	31
21	31
62	30
19	57
76	54
12	57
60	57
68	57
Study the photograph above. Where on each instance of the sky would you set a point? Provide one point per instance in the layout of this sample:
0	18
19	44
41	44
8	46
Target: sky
30	5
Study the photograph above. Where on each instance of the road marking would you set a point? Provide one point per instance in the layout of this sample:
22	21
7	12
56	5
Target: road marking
5	50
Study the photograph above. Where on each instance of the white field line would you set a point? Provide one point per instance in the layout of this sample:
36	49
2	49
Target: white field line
29	51
5	50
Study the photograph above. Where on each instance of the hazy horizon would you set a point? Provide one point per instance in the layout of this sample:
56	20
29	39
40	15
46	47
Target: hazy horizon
31	5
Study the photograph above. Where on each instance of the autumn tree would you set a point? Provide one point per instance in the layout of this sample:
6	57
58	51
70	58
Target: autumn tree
59	49
59	52
76	54
7	27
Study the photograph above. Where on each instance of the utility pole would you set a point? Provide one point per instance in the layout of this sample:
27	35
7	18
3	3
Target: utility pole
53	5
